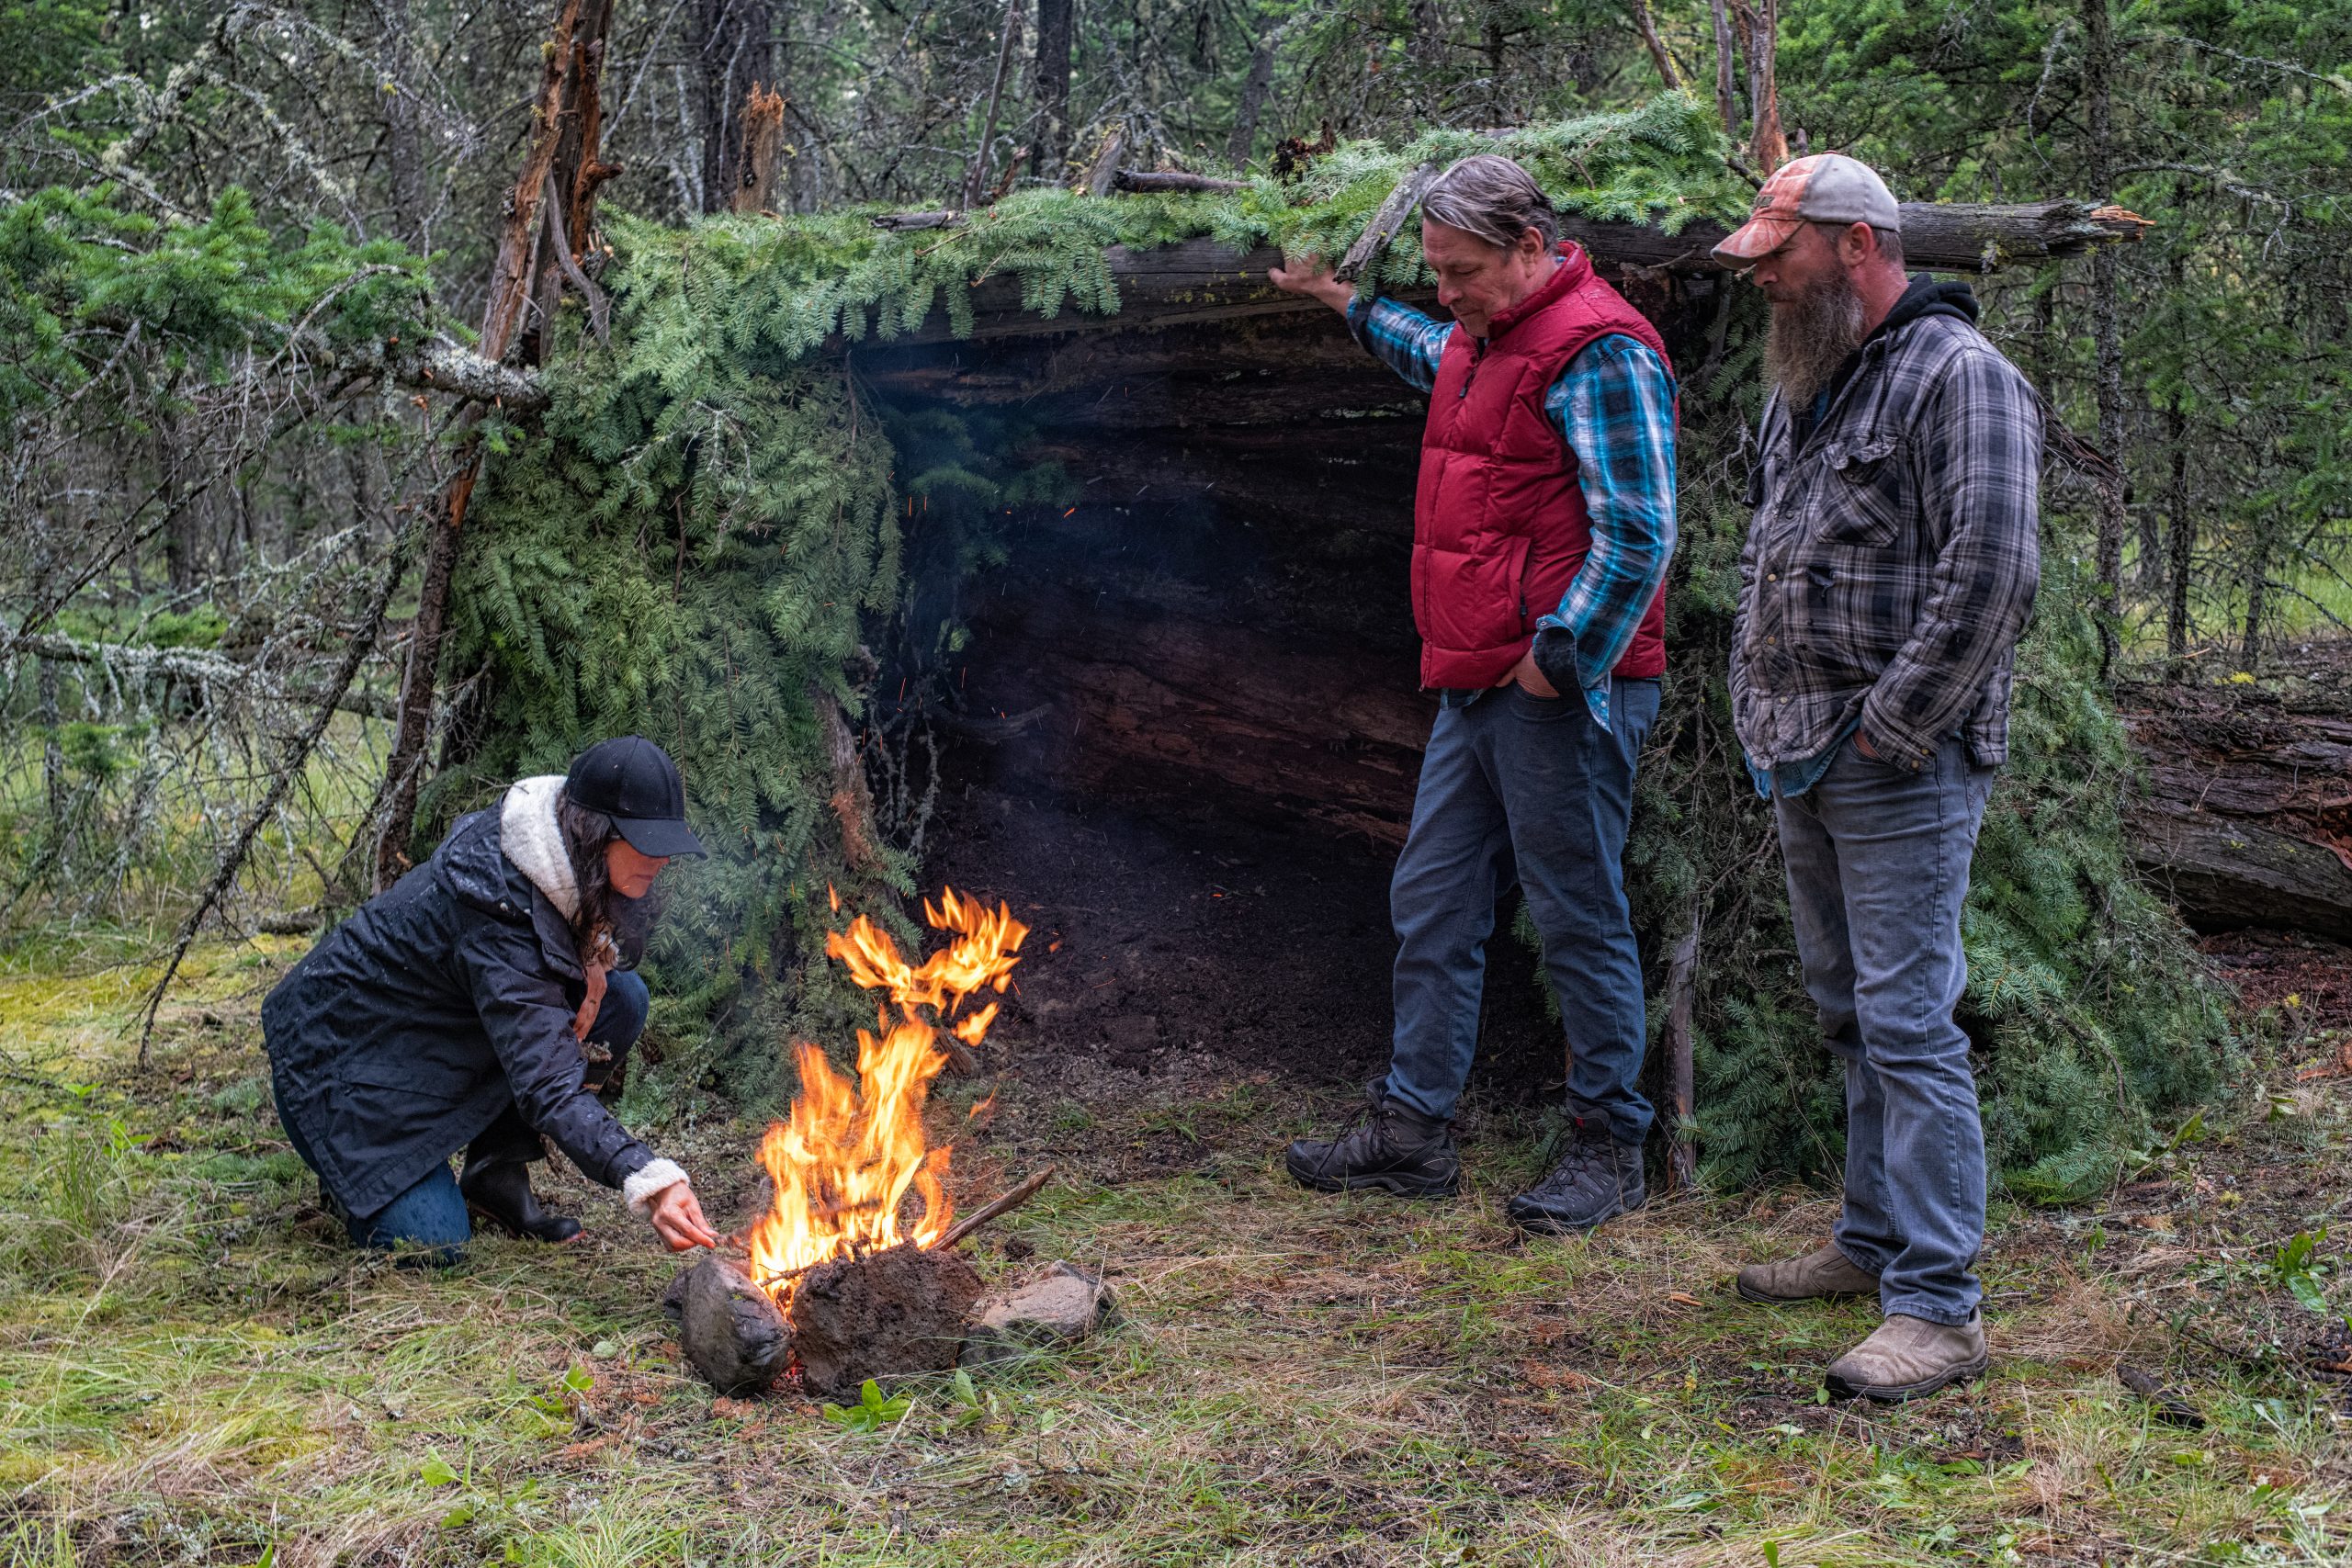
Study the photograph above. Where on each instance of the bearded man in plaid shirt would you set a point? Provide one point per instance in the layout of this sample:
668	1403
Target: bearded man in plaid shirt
1889	569
1544	520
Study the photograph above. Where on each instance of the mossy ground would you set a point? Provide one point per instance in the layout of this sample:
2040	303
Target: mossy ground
193	1369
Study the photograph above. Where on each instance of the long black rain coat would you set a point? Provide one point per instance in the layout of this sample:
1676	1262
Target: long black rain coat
413	1025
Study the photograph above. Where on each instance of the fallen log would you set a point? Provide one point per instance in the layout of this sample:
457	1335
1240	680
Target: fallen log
2245	815
1207	280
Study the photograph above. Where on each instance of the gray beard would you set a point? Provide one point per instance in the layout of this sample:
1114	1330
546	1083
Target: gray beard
1812	337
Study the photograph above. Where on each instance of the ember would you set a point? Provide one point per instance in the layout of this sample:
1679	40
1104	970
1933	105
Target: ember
845	1159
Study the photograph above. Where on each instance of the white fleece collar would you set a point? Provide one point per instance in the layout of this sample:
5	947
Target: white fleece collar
530	836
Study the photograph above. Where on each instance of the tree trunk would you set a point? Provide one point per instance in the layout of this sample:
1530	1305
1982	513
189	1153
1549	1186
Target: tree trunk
976	175
2183	540
1761	24
1254	88
2098	64
734	48
1646	26
1726	69
2258	602
1051	78
403	147
763	151
562	158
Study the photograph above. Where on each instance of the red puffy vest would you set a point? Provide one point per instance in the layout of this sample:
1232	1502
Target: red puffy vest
1500	524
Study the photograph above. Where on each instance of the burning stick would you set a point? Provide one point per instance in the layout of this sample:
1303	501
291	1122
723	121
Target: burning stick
991	1209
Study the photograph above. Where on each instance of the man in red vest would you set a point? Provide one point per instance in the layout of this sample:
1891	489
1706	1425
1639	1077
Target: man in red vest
1542	524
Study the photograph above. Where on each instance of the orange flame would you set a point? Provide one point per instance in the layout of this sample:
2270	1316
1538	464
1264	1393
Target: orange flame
847	1155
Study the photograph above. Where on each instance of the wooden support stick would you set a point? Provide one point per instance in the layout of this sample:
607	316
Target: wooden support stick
1681	987
991	1209
1386	221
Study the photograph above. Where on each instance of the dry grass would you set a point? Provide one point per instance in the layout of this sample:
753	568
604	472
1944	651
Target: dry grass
192	1370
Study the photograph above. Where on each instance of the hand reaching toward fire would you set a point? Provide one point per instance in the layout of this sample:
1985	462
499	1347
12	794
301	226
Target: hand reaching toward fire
677	1218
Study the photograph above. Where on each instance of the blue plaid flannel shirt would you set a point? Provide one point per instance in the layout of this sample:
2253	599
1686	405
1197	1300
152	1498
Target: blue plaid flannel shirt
1615	406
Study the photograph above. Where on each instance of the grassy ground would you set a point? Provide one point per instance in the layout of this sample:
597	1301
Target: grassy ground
192	1370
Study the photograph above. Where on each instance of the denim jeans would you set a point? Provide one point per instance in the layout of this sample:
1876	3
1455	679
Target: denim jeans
1526	791
429	1222
1877	858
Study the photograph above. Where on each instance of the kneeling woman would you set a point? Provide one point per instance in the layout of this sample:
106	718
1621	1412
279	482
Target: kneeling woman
450	1012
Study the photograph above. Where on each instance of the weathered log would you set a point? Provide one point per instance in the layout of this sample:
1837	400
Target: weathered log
728	1327
1202	280
897	1312
2246	816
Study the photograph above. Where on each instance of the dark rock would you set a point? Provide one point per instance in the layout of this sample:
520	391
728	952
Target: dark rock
895	1313
727	1325
1063	1305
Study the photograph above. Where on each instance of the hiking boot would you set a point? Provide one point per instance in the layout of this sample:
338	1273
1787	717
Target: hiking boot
1385	1145
1817	1276
499	1191
1597	1179
1908	1357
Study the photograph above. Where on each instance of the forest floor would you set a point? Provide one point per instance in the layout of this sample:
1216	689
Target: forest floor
192	1369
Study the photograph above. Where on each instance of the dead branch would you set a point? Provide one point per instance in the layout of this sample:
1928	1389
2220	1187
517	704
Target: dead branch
994	1209
1148	181
1385	223
1646	26
1681	987
133	664
289	768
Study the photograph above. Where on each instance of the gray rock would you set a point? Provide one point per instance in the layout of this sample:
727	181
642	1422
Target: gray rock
1060	1307
728	1326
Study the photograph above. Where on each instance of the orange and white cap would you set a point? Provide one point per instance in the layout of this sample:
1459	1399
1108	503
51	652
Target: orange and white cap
1827	187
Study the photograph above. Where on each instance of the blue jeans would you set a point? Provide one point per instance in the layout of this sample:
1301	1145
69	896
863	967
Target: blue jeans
429	1222
1878	860
1526	791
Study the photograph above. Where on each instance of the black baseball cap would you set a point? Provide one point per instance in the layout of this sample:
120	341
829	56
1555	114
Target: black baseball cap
633	782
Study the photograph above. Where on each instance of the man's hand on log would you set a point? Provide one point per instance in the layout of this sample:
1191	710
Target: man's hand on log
1527	678
1312	278
677	1218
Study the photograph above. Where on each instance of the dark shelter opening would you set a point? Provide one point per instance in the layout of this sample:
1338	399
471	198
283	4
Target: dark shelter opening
1186	727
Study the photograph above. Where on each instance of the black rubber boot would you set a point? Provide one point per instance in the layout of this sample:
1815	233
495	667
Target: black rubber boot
499	1191
1598	1179
1388	1146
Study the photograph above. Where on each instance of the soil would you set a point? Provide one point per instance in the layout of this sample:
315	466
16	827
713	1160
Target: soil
1178	954
897	1312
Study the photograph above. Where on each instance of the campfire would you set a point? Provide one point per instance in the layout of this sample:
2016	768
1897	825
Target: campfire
841	1279
845	1159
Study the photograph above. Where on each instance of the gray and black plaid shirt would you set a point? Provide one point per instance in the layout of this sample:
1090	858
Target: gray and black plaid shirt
1892	561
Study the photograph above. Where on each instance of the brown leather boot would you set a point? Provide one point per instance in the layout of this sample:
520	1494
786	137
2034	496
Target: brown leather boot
1908	1357
1817	1276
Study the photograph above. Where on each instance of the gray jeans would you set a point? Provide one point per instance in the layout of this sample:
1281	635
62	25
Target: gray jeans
1878	861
